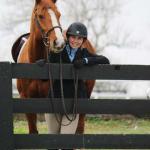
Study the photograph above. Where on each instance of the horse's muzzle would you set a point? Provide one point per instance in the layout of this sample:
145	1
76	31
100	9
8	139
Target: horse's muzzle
58	45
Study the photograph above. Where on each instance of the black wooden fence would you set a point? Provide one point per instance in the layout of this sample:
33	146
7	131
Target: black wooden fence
9	105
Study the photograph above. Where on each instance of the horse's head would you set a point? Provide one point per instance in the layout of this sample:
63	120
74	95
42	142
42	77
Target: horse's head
46	20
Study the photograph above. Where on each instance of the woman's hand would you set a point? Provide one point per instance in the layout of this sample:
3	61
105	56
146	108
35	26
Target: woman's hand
79	63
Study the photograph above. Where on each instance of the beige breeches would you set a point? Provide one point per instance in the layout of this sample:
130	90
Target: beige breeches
55	128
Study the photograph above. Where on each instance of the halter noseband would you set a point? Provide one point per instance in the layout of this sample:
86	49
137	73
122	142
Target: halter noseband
45	34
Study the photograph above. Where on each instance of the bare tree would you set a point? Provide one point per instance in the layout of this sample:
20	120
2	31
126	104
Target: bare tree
99	16
15	12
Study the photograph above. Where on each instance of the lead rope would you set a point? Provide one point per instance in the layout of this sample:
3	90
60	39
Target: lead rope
71	119
76	79
62	93
51	86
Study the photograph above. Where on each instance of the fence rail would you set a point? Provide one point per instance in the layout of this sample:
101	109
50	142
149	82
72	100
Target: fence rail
83	141
9	105
95	106
107	72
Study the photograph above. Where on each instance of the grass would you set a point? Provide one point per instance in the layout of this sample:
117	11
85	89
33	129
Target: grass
20	127
98	126
118	126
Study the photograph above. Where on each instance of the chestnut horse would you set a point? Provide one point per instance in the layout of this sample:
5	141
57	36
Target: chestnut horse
45	36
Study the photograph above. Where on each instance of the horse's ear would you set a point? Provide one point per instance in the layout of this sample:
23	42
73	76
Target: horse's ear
54	1
37	1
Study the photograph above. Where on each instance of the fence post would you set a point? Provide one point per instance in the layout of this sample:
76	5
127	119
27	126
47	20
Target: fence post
6	107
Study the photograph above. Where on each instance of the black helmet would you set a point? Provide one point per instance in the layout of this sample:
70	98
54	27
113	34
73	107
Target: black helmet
77	29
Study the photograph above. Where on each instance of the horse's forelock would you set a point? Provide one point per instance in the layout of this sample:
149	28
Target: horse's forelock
54	1
38	1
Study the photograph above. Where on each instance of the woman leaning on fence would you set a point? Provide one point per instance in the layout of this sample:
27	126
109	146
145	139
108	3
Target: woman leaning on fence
72	54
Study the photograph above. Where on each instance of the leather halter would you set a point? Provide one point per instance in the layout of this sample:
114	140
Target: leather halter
45	34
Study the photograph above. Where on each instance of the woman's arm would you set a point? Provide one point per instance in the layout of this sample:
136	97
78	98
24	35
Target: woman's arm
90	59
94	58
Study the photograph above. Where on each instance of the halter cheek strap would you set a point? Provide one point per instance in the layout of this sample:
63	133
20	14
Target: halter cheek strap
38	24
45	34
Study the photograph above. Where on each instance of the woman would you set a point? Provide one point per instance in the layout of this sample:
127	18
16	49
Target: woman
71	54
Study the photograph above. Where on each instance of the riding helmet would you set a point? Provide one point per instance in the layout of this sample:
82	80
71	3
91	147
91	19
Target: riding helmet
77	29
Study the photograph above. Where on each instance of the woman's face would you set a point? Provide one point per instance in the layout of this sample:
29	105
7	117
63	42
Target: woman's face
75	41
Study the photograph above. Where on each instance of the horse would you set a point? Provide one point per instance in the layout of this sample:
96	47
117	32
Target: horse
45	36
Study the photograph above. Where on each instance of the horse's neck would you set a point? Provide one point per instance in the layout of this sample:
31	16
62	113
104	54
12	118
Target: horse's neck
36	48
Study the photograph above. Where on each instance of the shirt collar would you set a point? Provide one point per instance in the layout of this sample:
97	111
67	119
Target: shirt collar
70	50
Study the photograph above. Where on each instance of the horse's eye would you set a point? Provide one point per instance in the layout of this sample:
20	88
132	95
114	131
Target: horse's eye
41	17
48	7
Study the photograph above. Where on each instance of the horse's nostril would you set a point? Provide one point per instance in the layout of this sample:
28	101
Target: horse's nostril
59	43
55	42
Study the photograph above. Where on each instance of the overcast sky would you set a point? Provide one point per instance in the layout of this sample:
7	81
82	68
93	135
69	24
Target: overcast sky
136	18
136	15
